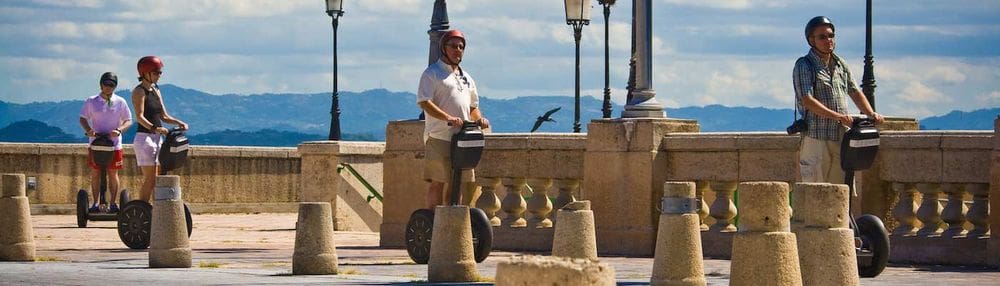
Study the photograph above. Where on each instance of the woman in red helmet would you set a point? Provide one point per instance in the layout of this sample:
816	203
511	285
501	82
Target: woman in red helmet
150	113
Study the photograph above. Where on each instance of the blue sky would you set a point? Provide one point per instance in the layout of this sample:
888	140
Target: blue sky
930	56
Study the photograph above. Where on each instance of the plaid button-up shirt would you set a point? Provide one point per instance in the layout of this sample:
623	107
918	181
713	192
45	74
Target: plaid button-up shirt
830	85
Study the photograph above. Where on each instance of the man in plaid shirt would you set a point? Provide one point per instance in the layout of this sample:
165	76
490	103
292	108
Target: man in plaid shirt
822	82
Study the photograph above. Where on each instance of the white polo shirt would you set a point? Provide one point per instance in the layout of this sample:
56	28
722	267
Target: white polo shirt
452	90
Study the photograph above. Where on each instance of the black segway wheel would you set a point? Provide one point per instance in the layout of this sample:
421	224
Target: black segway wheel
134	221
482	234
123	197
874	239
82	201
418	235
187	218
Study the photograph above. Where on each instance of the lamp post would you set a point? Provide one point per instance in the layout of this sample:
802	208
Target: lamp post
577	15
606	108
335	8
868	79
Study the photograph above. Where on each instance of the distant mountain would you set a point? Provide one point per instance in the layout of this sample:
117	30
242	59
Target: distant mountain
266	137
366	113
960	120
35	131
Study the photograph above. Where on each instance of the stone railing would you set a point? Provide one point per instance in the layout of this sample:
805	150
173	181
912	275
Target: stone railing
940	183
523	179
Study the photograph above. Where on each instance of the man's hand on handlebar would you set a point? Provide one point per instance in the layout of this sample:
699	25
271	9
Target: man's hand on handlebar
846	120
877	117
483	122
454	122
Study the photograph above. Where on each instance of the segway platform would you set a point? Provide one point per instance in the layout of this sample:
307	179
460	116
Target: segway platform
858	151
102	151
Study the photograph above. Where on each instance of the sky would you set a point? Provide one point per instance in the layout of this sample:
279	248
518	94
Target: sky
931	56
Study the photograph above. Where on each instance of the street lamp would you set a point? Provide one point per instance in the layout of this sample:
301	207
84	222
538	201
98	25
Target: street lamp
606	108
868	79
335	8
577	15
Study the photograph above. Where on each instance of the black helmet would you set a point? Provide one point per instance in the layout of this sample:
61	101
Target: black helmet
816	22
109	79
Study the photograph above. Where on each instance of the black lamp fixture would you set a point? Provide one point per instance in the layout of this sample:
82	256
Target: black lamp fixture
335	8
577	15
606	107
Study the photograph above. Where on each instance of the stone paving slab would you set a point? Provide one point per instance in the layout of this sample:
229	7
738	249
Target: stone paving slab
247	249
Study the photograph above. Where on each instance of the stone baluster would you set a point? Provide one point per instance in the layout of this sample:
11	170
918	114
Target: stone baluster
513	203
929	212
905	210
567	187
723	209
954	211
979	212
539	204
700	188
488	201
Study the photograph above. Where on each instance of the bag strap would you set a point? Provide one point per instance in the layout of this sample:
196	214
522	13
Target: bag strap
812	70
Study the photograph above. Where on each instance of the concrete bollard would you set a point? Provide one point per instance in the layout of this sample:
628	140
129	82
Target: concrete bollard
764	252
315	252
825	241
16	238
678	241
575	235
539	270
168	244
452	257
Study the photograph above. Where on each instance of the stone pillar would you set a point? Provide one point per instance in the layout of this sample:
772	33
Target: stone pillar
405	191
643	103
825	241
439	24
574	234
488	201
315	252
567	187
17	241
954	211
513	203
321	182
993	250
452	257
623	169
678	241
905	210
979	212
168	244
539	205
764	252
700	188
723	209
930	209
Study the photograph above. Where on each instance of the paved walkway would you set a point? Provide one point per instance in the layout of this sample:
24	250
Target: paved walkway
257	249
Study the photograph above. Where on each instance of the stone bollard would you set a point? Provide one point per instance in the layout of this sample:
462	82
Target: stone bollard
168	244
764	252
557	271
16	238
574	235
452	257
678	242
315	253
825	241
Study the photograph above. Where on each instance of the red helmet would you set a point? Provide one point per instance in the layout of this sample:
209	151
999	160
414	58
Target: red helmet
149	64
451	34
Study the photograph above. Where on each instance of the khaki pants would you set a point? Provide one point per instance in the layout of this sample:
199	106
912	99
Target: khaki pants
437	168
819	161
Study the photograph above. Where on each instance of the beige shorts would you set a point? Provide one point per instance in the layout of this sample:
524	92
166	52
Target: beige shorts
437	162
819	161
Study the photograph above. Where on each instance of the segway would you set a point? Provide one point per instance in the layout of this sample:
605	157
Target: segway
135	217
857	152
466	150
102	150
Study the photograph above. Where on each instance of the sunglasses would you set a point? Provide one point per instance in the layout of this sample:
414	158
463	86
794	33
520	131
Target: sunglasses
825	36
109	84
456	46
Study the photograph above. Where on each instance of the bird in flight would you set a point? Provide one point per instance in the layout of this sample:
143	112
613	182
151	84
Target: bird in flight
544	118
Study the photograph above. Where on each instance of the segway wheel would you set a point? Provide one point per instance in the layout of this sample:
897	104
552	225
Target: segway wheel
874	238
418	235
123	197
82	200
134	221
482	234
187	218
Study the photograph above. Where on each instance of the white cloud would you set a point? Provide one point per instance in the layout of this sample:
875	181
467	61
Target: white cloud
72	3
723	4
917	92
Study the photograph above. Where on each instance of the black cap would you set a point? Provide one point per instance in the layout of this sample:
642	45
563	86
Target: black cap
109	79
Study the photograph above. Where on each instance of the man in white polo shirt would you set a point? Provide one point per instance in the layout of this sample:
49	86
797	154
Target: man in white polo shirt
106	113
448	96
